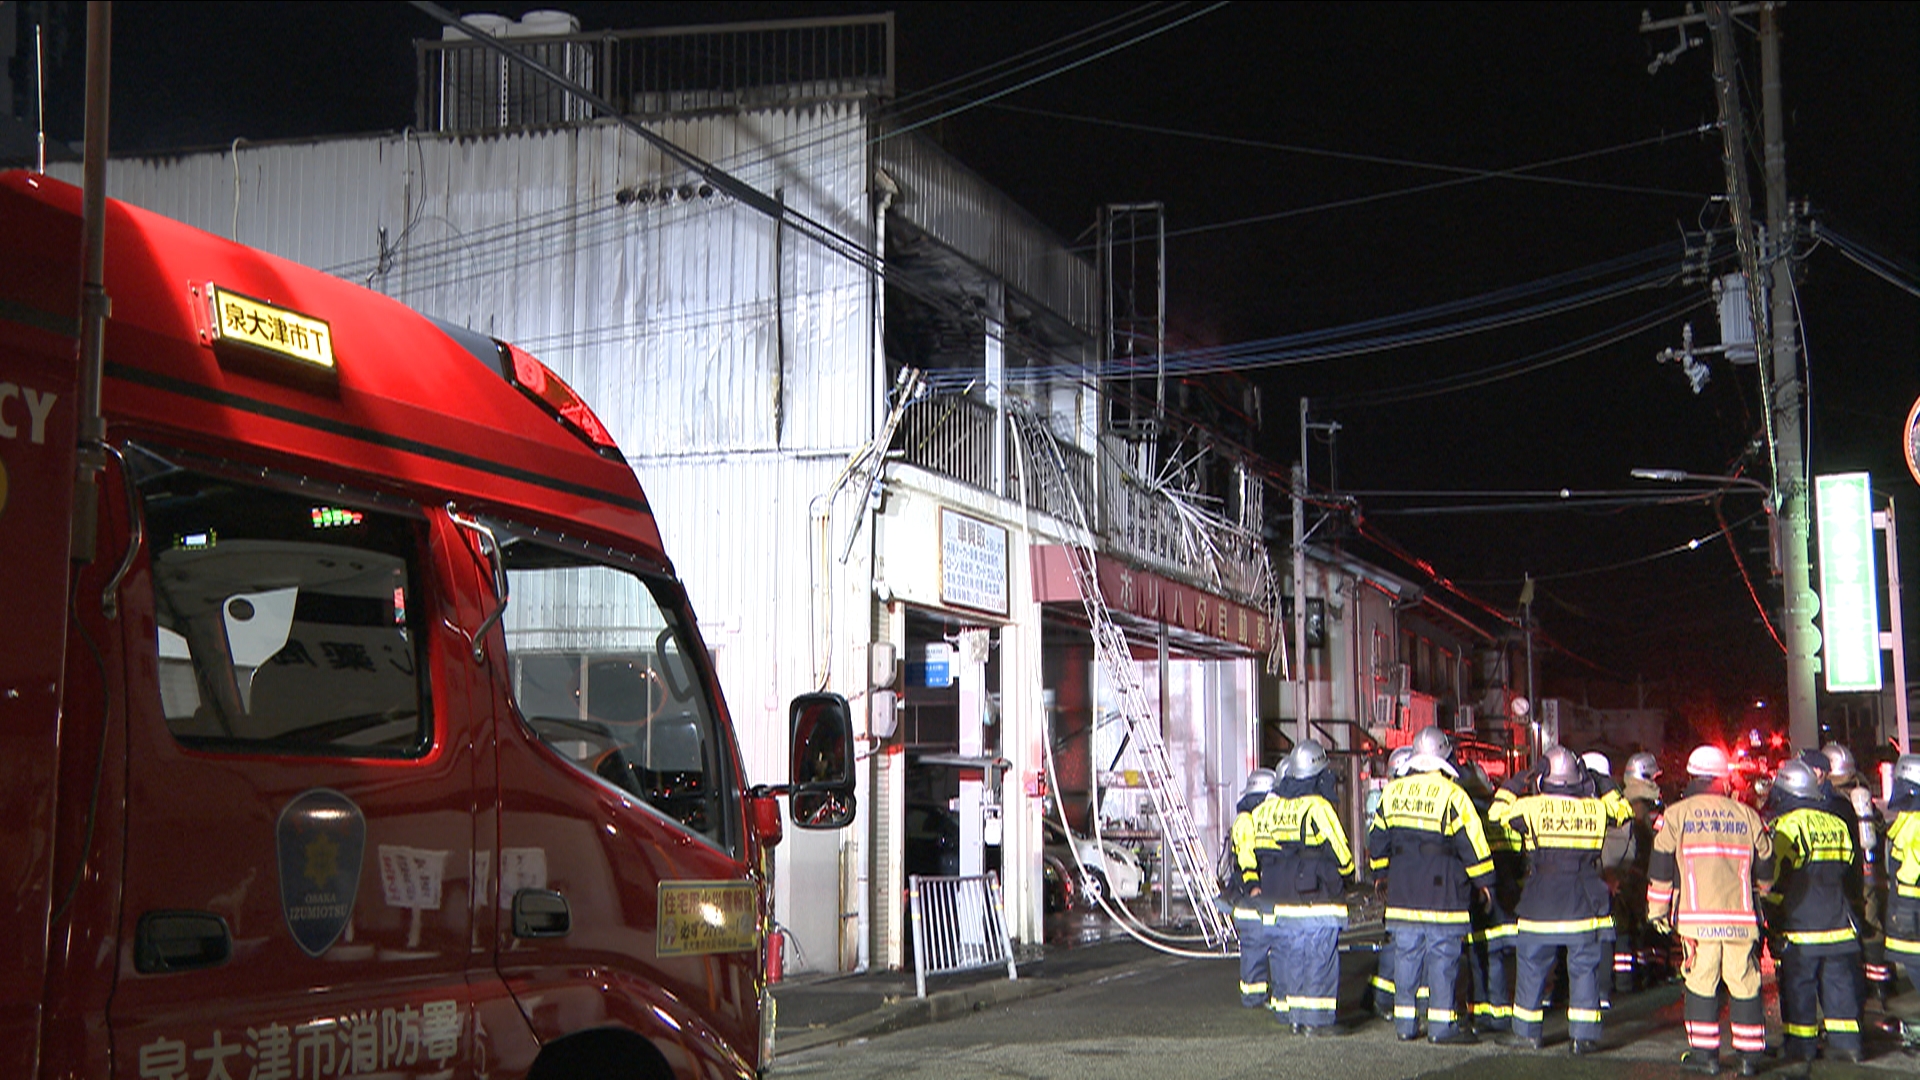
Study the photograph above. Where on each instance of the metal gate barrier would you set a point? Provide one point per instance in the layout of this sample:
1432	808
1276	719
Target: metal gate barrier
958	925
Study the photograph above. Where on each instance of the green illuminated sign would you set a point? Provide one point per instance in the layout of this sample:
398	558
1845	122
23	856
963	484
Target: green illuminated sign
1849	595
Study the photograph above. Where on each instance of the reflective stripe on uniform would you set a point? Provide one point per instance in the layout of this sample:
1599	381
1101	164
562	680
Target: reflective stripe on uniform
1283	912
1565	926
1499	932
1820	937
1421	915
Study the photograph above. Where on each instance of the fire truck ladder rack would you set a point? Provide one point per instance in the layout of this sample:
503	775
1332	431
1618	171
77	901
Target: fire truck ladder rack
1189	858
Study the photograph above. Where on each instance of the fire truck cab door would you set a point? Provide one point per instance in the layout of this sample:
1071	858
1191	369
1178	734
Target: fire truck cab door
298	896
620	815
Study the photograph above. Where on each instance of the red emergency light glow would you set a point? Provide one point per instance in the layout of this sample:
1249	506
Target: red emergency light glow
538	382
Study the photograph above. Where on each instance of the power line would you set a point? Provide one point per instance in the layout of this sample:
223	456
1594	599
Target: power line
1663	258
1691	545
985	75
1521	173
1418	189
1063	69
1526	365
1894	274
1581	502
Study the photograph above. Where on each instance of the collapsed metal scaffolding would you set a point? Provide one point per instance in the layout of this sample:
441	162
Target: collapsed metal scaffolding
1193	872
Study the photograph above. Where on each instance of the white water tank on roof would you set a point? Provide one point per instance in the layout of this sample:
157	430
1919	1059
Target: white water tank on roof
496	25
544	23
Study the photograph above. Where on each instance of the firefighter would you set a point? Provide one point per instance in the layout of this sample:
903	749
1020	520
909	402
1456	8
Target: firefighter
1490	944
1853	788
1565	904
1903	892
1304	862
1709	856
1427	838
1646	952
1382	981
1812	912
1615	852
1252	916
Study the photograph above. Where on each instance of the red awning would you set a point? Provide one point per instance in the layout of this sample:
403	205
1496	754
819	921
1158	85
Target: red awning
1200	622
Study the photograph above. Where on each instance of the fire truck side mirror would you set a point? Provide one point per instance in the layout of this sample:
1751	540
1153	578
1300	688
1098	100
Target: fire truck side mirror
822	775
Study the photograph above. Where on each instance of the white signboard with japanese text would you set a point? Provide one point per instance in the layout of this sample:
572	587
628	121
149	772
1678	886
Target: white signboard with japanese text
973	563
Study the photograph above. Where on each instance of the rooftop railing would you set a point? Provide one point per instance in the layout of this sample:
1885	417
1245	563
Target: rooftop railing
465	87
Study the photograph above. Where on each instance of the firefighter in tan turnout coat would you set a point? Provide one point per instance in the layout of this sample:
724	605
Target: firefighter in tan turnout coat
1709	856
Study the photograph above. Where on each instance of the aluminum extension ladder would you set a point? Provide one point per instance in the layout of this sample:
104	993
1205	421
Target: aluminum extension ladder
1110	643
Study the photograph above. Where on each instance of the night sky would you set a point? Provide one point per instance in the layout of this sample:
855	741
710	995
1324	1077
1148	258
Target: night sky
1324	166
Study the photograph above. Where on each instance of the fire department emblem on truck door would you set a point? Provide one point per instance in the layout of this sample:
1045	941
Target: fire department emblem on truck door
320	838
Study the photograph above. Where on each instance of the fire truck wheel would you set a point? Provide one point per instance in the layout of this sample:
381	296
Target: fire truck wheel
600	1054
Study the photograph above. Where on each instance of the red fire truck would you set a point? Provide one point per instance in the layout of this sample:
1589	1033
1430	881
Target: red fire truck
352	719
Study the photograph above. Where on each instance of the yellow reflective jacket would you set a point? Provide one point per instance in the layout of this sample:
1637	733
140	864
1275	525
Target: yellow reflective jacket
1428	839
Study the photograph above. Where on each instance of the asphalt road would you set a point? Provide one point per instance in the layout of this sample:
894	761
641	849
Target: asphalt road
1172	1017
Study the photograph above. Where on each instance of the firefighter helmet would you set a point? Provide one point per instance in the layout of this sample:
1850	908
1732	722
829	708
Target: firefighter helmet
1644	766
1308	760
1907	768
1796	778
1596	763
1708	761
1563	768
1399	761
1839	761
1259	782
1476	782
1431	740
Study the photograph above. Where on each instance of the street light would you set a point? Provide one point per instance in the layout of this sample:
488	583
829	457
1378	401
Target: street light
1678	476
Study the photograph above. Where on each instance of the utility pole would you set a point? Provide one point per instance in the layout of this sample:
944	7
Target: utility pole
1765	262
1300	692
1895	638
1790	467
